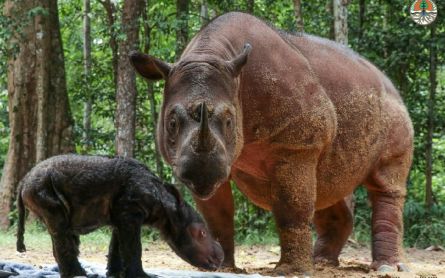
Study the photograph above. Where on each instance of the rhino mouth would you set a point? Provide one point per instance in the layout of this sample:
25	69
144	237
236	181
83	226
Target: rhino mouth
202	177
203	193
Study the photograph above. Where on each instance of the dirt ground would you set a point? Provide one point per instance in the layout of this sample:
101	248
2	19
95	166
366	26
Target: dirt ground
260	259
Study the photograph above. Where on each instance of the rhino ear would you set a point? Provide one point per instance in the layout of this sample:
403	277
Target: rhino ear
175	192
149	67
239	61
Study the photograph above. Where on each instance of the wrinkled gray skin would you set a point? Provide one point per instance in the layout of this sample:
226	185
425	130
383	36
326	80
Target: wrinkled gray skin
75	195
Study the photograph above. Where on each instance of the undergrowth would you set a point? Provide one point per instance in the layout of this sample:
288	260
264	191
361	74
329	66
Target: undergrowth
422	227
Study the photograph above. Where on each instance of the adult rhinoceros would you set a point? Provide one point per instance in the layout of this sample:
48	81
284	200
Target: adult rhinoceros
298	122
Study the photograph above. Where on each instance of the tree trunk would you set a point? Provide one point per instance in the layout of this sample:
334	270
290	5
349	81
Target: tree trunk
298	16
182	10
110	9
430	125
361	20
330	9
151	93
250	6
87	70
204	13
340	11
39	113
126	79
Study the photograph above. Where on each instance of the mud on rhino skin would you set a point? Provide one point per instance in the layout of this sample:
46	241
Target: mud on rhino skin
298	122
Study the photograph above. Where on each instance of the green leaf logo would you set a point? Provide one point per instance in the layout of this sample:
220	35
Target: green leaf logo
423	12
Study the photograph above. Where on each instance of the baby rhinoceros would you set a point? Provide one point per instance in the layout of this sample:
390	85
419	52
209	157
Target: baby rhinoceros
76	194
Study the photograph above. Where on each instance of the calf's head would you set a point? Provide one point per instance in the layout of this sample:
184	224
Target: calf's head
200	123
187	234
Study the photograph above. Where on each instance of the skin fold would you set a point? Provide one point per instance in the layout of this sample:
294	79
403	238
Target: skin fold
298	122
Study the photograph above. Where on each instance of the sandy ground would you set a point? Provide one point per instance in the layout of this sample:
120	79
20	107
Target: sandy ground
261	259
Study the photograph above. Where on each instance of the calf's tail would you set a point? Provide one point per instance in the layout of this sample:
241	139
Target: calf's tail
21	225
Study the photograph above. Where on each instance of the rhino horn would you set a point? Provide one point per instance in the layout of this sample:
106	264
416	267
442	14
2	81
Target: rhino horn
205	138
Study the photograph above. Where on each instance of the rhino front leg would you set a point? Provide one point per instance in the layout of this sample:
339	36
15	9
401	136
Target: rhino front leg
128	227
114	266
218	212
293	197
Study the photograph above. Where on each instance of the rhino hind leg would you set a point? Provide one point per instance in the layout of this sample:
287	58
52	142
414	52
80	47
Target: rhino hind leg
333	226
65	251
387	190
65	244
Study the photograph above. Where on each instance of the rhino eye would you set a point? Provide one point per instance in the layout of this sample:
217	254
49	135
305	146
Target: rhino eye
229	123
228	126
203	234
172	126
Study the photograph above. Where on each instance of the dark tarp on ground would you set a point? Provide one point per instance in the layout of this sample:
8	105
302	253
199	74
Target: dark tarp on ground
18	270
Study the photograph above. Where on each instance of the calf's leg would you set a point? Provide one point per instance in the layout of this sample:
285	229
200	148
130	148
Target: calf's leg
65	243
65	251
130	248
333	226
76	239
114	266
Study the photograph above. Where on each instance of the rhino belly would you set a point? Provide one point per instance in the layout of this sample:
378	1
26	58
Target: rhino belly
87	218
345	166
256	189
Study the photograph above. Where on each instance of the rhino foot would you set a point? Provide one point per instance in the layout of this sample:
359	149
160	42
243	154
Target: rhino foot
401	267
284	269
324	261
232	269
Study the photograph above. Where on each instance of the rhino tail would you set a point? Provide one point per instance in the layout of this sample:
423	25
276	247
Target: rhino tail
56	179
21	223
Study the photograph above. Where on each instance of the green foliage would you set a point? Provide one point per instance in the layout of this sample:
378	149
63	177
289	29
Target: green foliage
37	11
37	237
252	224
423	227
4	126
362	216
5	33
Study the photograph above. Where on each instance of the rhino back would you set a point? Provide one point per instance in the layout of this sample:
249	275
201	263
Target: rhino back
84	186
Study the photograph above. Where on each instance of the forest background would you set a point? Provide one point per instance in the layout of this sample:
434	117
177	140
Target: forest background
66	85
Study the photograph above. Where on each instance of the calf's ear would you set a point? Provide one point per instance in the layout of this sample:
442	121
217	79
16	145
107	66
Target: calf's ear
149	67
175	192
237	63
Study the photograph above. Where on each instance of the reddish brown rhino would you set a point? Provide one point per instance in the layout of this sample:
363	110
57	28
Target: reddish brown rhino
298	122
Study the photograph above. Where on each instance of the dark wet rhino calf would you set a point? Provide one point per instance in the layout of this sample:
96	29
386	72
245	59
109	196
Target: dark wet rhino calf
75	195
298	122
